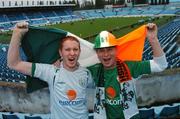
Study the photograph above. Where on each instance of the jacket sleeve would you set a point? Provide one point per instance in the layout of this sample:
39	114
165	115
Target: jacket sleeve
158	64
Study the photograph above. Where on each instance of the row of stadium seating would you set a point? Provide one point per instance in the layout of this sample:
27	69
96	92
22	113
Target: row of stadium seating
8	20
167	36
11	17
6	74
150	10
161	112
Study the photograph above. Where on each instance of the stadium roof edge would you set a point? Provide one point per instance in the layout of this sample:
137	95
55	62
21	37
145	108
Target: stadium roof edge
35	6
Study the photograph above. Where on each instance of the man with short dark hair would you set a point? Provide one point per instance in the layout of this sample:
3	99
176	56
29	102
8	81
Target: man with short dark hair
115	93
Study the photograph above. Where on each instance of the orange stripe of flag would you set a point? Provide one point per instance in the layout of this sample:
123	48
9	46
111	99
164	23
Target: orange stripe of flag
130	47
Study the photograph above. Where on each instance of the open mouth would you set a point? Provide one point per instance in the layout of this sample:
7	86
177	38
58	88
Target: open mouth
71	59
107	59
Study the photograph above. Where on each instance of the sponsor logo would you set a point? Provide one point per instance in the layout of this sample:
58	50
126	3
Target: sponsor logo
111	93
82	82
71	94
113	102
71	103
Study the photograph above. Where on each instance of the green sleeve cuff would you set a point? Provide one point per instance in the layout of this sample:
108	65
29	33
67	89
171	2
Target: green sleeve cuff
33	69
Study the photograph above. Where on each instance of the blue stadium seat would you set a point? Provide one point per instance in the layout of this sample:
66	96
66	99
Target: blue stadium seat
169	112
32	117
147	114
91	116
9	116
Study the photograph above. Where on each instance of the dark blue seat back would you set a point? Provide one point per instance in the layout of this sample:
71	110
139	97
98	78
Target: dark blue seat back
33	117
147	114
9	116
169	111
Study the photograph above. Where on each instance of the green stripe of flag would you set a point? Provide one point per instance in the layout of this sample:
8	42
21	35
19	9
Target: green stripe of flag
41	46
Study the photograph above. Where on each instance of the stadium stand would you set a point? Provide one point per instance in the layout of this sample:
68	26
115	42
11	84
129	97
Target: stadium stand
147	114
158	112
167	36
34	117
169	111
7	20
6	74
10	116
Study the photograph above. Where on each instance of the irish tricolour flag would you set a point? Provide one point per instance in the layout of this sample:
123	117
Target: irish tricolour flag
41	46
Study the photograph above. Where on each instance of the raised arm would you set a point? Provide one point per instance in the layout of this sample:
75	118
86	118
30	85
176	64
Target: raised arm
13	59
153	40
159	62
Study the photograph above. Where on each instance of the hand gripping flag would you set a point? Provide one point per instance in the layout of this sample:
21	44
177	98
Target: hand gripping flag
41	45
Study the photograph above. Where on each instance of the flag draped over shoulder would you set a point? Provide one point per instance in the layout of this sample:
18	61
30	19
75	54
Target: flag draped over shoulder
130	47
41	45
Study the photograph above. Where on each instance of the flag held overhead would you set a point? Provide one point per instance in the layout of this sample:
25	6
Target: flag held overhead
41	45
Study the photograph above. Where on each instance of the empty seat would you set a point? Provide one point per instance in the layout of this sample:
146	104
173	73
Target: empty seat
33	117
169	112
9	116
147	114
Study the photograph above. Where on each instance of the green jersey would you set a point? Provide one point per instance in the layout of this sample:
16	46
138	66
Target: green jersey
120	97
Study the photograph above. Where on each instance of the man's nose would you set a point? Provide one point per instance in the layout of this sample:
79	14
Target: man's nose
106	52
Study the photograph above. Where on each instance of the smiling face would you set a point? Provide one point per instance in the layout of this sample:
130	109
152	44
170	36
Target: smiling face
107	56
70	51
